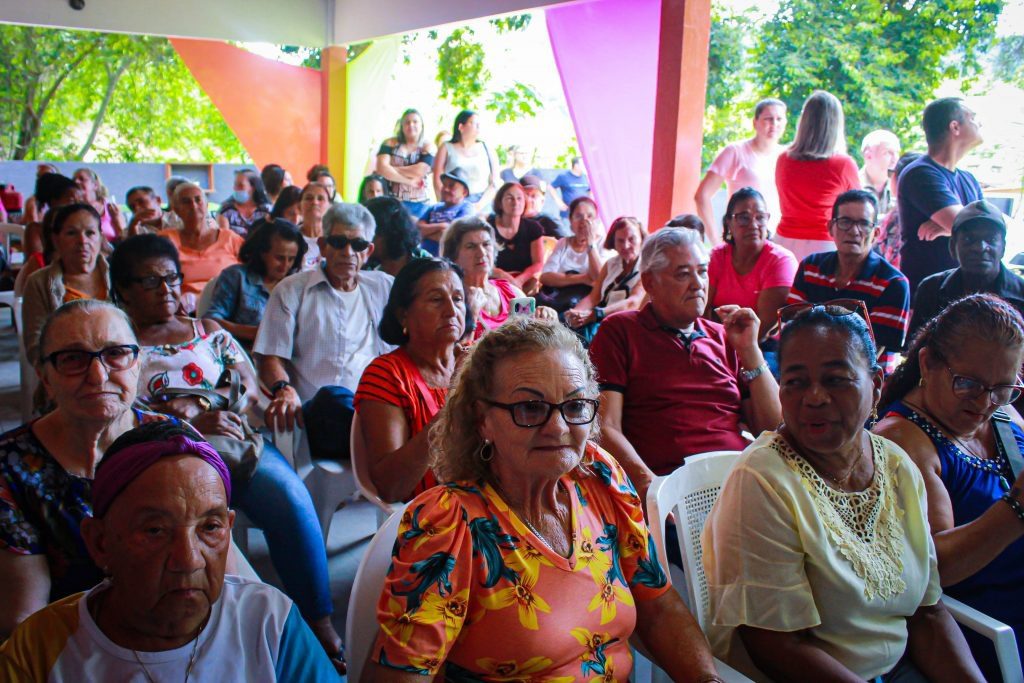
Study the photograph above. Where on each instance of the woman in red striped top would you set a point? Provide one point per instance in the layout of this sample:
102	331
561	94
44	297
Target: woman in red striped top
401	392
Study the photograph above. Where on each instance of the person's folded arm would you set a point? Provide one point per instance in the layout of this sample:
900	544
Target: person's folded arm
384	168
396	462
793	656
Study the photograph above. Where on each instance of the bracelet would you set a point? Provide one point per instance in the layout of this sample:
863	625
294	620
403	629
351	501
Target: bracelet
749	376
1015	505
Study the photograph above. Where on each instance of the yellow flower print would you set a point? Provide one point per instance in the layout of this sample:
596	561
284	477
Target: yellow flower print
429	662
594	642
590	556
451	610
511	670
522	596
606	598
429	531
635	544
401	624
526	561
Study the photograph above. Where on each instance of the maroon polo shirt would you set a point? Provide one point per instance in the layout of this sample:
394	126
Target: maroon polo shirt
679	397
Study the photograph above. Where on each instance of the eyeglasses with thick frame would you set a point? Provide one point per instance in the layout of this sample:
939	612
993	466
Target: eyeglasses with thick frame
532	414
844	224
340	242
154	281
968	389
71	362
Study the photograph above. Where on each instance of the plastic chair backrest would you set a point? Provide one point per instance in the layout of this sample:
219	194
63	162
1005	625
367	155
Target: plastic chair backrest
205	297
361	622
689	493
360	467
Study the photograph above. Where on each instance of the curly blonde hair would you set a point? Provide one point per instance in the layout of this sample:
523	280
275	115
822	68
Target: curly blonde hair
455	438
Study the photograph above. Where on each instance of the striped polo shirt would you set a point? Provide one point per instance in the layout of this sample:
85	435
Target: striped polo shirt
879	285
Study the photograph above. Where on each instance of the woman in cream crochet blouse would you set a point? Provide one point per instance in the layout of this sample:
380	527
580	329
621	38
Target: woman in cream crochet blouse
818	557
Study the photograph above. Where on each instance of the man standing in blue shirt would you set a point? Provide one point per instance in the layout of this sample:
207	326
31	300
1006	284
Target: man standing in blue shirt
932	190
572	184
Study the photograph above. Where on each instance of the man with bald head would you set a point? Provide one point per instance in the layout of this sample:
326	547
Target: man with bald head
161	532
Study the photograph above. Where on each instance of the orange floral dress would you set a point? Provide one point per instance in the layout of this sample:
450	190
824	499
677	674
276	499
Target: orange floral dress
474	592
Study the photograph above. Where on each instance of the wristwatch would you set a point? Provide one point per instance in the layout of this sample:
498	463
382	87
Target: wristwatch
278	386
749	376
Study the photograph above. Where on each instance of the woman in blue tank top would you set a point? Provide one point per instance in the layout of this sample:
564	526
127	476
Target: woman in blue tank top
947	406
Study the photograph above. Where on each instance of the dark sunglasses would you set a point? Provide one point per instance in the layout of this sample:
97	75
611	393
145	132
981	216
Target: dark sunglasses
73	362
834	307
530	414
154	281
340	242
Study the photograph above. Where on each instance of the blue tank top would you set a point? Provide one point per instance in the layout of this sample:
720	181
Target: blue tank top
974	485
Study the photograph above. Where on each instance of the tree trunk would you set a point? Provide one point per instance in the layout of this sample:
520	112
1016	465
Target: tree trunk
112	79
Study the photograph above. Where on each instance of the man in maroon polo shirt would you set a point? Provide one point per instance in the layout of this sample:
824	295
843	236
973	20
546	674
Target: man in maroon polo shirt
673	383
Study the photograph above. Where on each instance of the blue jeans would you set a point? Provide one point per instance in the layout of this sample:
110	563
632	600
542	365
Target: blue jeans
328	420
276	501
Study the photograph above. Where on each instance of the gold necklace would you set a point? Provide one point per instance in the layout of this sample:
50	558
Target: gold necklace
526	520
840	482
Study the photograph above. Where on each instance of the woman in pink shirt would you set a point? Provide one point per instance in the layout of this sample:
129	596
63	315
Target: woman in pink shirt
748	270
811	173
750	163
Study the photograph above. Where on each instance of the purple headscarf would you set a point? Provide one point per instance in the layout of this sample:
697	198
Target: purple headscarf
125	466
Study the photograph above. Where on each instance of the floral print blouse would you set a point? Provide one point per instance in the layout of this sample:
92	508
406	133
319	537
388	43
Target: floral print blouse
198	363
474	592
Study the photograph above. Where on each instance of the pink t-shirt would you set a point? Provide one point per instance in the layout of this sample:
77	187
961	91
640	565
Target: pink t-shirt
742	167
807	190
775	267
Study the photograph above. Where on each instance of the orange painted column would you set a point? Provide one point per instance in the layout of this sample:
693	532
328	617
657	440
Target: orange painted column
333	103
679	108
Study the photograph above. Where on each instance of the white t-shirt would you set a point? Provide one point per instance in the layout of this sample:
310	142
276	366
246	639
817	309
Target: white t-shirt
254	633
564	258
311	259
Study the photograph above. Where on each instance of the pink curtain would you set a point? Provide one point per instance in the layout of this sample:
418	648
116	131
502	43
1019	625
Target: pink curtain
607	57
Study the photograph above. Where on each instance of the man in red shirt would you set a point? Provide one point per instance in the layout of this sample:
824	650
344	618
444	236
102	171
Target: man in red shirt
673	383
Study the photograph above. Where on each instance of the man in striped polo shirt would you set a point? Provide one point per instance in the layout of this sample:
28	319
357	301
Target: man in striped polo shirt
855	271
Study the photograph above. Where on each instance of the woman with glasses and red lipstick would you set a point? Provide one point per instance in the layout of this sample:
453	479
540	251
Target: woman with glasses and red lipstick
535	562
748	270
185	364
949	409
819	561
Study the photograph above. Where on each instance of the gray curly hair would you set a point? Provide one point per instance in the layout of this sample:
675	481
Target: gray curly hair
455	437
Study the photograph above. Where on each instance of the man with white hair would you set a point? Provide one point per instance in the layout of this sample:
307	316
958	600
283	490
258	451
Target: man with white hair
880	150
320	331
672	382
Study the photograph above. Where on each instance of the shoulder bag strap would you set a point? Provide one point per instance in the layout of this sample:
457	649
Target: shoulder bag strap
1004	432
421	386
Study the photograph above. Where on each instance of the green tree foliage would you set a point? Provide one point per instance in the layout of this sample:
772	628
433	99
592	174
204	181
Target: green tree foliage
883	59
1009	64
77	94
729	98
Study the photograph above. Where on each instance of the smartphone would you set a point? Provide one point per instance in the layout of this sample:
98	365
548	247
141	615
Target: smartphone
523	305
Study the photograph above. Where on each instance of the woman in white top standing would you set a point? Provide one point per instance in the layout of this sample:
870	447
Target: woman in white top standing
750	163
466	151
313	204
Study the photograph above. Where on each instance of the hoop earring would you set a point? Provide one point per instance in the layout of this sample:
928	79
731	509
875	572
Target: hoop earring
485	452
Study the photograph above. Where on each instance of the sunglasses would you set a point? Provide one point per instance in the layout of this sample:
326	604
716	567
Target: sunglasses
340	242
531	414
834	307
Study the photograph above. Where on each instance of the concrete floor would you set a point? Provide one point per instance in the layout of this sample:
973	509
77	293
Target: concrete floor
351	529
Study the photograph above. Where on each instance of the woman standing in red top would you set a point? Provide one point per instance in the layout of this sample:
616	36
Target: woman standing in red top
401	392
811	174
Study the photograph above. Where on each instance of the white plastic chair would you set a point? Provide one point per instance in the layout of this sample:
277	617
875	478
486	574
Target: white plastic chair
360	470
330	483
29	379
205	297
243	567
361	621
999	633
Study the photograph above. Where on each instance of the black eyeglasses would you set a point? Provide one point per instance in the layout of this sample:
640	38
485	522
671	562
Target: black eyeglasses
745	218
153	281
340	242
835	307
848	224
73	362
575	411
968	388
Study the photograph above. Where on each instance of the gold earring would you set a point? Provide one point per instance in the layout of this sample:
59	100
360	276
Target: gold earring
920	382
